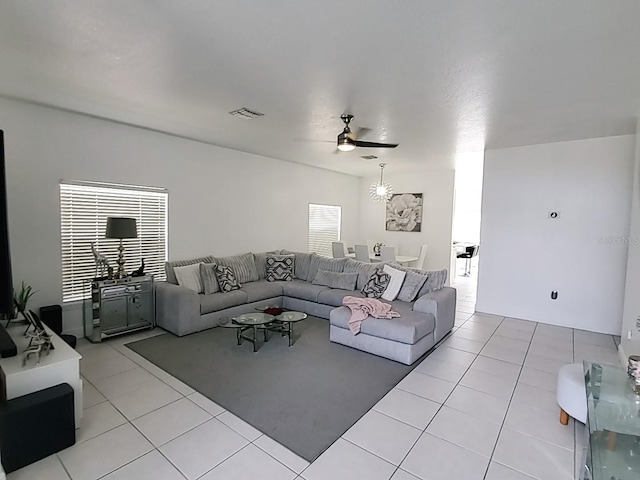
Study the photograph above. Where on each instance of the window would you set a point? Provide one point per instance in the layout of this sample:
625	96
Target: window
84	208
324	227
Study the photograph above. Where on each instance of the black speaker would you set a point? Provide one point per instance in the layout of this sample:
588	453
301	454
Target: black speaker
51	316
36	425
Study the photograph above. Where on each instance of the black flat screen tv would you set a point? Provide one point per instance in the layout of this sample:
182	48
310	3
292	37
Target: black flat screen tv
6	283
7	346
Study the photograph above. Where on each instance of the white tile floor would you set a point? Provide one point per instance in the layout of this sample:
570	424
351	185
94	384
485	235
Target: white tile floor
481	406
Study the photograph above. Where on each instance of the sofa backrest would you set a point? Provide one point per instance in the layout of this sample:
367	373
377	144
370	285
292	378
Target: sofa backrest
168	266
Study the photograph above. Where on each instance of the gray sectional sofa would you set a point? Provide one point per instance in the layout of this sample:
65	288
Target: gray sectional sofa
422	324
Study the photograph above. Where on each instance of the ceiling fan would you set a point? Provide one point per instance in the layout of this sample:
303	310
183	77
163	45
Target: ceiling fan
347	140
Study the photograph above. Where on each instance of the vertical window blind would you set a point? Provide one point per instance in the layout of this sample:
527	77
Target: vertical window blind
84	208
324	227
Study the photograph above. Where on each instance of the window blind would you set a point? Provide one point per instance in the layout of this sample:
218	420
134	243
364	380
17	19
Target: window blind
324	227
84	209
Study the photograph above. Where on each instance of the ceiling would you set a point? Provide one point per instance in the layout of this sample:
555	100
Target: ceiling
443	78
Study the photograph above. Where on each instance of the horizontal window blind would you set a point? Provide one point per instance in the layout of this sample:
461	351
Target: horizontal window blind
84	209
324	227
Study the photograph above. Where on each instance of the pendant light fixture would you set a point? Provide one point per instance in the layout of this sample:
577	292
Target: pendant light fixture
381	191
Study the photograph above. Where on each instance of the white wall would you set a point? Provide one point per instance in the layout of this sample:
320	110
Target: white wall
221	201
631	312
437	189
582	255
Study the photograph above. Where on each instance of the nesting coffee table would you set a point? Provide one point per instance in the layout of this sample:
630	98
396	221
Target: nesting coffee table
283	323
248	324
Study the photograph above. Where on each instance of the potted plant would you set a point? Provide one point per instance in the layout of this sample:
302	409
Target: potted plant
21	299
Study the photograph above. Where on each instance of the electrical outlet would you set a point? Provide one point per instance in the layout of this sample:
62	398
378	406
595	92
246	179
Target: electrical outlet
629	334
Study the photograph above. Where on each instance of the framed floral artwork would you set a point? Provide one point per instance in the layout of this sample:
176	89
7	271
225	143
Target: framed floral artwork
404	212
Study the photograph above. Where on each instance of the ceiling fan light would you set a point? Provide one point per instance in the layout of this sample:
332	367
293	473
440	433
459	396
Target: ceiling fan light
345	144
346	147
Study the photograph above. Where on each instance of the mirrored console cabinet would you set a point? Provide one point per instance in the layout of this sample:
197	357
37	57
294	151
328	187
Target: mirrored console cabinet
119	306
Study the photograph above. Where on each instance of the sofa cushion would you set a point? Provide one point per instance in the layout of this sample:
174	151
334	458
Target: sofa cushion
261	290
377	284
436	279
324	263
221	300
342	281
188	276
169	266
334	296
413	282
226	278
363	269
209	279
408	328
301	264
260	260
302	290
243	266
280	267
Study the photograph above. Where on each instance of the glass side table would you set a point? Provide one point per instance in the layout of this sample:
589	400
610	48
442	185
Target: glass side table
613	424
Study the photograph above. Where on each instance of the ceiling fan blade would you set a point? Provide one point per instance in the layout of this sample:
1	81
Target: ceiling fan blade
360	143
360	132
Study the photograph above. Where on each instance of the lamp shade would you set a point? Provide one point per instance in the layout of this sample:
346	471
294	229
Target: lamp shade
121	227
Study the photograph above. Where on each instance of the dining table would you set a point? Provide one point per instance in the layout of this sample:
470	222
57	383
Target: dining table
401	259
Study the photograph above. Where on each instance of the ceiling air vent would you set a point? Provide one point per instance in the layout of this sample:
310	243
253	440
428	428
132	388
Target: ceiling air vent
246	113
369	157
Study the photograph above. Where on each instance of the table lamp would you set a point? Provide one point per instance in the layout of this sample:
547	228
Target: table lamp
121	228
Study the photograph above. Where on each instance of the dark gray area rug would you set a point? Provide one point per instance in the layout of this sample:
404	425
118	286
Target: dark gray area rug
305	396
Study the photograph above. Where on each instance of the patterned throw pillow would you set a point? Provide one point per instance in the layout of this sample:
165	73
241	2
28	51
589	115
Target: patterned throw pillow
280	267
377	284
226	278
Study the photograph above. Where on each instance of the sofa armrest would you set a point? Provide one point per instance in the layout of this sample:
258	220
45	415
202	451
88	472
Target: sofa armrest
177	308
442	305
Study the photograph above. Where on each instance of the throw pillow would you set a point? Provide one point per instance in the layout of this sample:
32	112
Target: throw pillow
189	277
280	267
244	266
376	285
343	281
413	282
209	279
169	266
226	278
324	263
395	284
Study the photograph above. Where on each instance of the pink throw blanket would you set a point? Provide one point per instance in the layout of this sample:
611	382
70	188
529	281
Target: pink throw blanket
361	308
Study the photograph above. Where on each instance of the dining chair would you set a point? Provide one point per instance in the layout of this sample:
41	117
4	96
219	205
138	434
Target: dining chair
338	249
419	264
370	244
362	253
387	254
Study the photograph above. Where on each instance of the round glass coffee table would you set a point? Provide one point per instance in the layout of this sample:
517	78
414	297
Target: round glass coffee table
250	322
283	323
